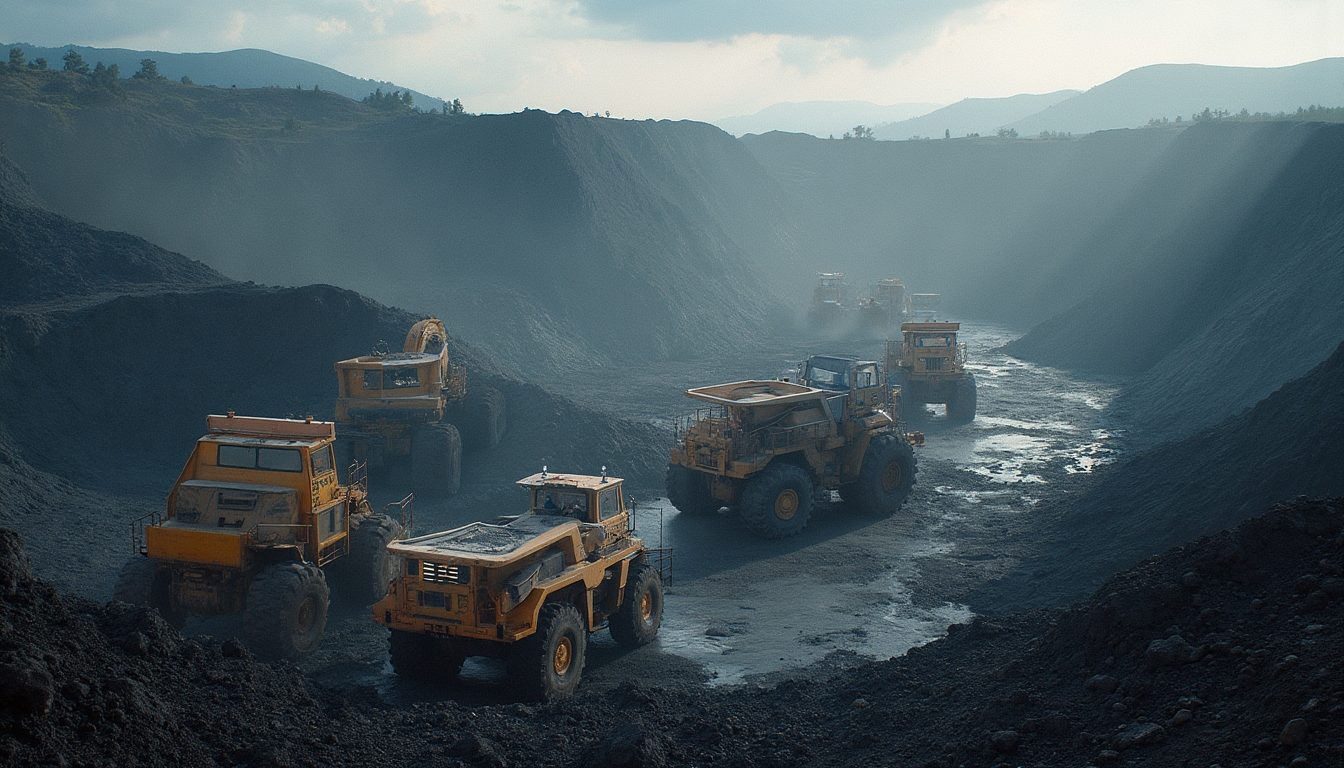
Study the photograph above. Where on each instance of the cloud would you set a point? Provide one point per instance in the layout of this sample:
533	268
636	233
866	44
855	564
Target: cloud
690	20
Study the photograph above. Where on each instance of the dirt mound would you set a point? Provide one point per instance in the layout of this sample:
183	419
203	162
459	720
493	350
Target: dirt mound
1289	444
1227	650
45	256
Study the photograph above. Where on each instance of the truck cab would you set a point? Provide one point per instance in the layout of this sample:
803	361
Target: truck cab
254	489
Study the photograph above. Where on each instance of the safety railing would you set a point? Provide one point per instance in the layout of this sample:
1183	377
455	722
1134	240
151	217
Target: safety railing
661	559
405	510
357	476
138	525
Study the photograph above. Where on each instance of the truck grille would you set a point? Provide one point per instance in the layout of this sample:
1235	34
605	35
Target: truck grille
439	573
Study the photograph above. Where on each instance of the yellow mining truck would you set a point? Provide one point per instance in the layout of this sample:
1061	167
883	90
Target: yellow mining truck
929	364
528	588
769	447
831	299
414	405
254	525
886	308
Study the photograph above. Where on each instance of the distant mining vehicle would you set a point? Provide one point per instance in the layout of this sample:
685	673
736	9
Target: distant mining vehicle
925	305
527	588
255	524
769	448
888	307
414	405
831	299
930	366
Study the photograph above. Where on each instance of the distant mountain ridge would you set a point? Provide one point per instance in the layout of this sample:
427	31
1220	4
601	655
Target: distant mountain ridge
982	116
820	118
1168	90
245	68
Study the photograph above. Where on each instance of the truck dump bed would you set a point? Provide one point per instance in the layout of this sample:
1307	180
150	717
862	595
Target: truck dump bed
486	544
755	392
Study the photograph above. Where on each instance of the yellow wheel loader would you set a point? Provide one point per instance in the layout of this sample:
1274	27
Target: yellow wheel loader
413	407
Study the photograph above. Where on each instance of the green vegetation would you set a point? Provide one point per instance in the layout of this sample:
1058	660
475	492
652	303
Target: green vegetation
149	70
75	63
861	132
1314	113
393	101
284	114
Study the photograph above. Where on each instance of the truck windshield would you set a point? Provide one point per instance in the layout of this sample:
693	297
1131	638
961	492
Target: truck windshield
550	501
816	373
270	459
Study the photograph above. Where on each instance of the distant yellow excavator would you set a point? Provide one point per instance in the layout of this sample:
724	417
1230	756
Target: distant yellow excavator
414	406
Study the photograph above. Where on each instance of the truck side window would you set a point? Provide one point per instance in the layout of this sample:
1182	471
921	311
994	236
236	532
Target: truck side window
322	461
608	504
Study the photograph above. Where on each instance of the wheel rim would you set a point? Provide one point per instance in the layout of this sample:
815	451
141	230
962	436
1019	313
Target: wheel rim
305	616
786	504
646	608
563	657
892	476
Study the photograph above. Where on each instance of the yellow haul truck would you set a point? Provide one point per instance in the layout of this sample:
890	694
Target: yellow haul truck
929	364
414	405
769	447
528	589
254	525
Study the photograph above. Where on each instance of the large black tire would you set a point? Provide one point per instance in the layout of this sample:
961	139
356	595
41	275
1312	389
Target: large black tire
286	610
361	577
418	657
641	612
961	406
886	477
548	664
436	460
688	490
143	582
482	418
777	501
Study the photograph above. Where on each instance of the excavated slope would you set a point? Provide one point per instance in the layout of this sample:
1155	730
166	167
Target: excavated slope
535	234
45	256
1234	296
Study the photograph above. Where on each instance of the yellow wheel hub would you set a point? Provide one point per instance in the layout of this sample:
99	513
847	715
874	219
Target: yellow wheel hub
892	476
786	504
646	607
306	616
564	656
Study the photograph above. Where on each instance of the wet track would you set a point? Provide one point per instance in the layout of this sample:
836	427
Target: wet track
742	609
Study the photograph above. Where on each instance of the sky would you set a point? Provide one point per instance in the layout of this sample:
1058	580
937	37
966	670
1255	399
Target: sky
708	59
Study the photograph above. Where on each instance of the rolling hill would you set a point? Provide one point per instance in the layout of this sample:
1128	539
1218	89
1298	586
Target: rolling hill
982	116
243	68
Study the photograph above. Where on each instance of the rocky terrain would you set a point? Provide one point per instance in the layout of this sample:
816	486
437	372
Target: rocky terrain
1224	651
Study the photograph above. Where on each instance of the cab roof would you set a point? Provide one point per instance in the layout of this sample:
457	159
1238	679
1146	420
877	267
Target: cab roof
390	360
231	428
559	480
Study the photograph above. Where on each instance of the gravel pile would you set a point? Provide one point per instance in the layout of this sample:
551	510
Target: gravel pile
1225	651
